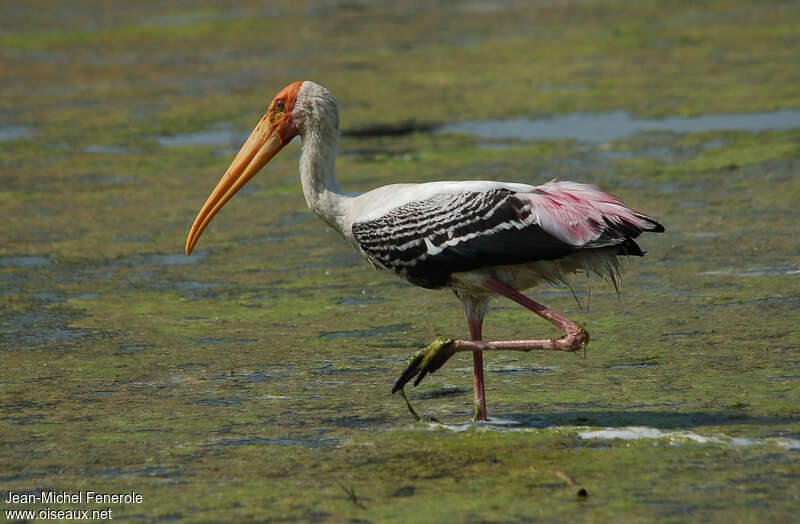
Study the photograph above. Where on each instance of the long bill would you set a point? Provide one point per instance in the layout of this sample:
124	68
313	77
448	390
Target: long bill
262	145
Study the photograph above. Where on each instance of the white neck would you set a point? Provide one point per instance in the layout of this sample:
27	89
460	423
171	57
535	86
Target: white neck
318	177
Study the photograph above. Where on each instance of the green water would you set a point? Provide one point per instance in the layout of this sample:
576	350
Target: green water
251	381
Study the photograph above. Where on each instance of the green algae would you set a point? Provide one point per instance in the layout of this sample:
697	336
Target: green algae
211	385
735	155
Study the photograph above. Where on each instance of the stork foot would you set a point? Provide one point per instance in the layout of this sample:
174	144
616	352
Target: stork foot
426	361
435	355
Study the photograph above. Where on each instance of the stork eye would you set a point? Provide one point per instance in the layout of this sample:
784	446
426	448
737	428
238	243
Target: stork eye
280	105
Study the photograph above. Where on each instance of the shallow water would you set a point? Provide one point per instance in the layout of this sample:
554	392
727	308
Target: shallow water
25	262
613	125
381	330
637	433
218	135
626	433
583	127
12	133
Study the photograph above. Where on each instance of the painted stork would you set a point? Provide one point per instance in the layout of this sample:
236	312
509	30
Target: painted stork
478	238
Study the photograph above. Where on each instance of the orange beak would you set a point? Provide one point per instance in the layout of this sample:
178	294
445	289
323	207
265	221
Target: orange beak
263	144
273	132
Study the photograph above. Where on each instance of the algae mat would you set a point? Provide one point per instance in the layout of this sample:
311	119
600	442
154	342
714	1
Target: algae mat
251	381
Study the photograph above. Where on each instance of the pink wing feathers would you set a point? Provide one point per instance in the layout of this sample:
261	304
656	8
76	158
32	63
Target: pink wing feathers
582	214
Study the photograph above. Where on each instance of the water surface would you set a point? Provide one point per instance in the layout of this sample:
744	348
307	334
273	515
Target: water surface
612	125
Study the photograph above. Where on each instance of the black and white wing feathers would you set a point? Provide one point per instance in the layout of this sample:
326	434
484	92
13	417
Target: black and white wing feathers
428	240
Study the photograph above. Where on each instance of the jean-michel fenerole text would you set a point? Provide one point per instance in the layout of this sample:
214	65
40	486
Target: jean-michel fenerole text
77	497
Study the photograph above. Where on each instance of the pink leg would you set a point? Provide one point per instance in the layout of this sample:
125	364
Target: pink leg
575	337
477	363
434	356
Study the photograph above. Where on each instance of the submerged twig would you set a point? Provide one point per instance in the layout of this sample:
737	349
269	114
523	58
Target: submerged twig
558	473
582	493
351	494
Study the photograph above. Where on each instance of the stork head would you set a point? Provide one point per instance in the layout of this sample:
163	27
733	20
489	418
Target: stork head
284	119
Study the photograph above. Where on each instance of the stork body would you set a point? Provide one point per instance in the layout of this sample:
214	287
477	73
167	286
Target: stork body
478	238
